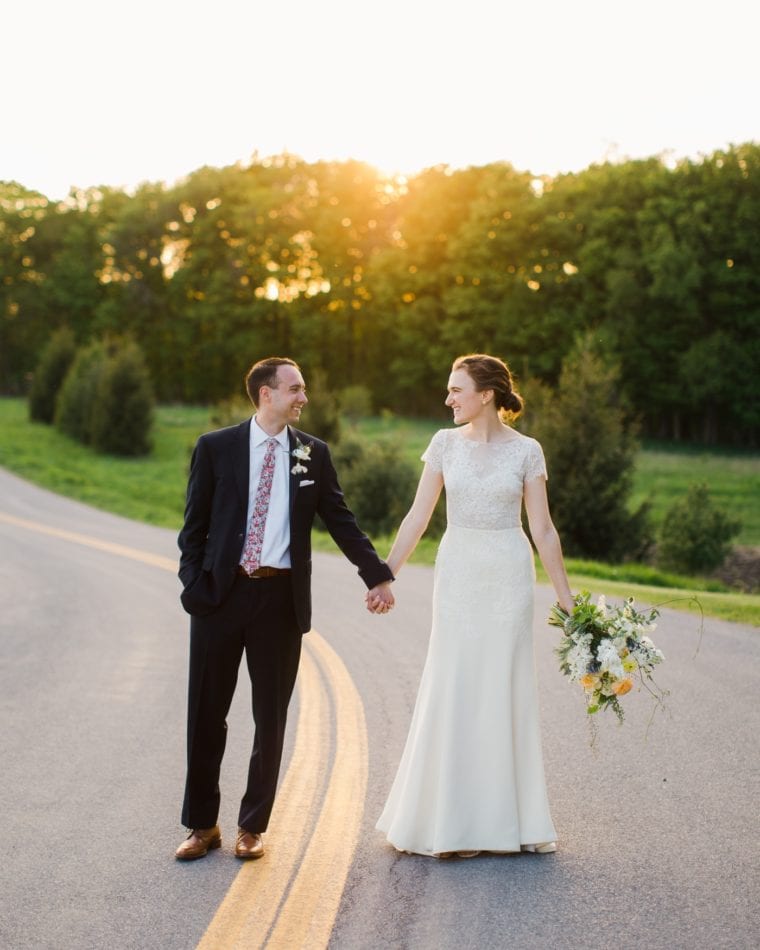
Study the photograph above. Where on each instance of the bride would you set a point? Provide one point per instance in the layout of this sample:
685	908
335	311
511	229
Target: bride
471	777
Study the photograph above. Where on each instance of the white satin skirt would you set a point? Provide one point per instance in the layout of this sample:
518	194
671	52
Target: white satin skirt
471	776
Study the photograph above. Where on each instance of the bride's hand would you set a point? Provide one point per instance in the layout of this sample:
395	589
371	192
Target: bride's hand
380	599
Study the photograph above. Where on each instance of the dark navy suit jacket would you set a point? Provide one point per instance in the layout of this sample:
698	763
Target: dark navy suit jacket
212	538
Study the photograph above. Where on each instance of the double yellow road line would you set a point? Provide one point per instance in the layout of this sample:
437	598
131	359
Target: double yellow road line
290	897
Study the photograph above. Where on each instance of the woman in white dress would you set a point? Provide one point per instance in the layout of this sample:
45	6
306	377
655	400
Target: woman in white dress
471	777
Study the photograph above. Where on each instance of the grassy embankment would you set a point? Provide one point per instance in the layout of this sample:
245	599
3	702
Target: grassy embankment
152	490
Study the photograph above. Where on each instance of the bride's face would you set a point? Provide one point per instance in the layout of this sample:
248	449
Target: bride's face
463	399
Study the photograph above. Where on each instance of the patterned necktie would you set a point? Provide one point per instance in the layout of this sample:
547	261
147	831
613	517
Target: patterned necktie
251	559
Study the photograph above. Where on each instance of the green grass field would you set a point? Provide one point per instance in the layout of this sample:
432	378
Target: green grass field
152	490
664	474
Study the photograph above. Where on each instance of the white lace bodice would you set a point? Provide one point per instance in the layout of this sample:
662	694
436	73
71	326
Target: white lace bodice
484	480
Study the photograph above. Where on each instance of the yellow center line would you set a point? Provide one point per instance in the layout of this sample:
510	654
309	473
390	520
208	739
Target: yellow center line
245	916
281	901
310	909
121	550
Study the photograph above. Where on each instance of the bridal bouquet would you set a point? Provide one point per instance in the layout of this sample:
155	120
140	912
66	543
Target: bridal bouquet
604	648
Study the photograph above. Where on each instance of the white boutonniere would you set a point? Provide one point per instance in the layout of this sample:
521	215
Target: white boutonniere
302	453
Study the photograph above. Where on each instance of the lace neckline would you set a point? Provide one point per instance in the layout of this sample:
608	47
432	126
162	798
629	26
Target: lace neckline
515	439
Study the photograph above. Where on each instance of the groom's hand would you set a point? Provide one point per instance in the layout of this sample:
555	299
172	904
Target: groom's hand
380	599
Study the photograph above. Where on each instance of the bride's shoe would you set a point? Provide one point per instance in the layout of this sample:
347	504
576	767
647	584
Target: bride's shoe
467	854
548	847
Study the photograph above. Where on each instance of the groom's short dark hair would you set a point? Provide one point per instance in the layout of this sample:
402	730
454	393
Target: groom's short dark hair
264	373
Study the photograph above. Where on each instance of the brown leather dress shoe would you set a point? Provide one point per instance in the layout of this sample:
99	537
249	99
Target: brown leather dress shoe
249	844
199	842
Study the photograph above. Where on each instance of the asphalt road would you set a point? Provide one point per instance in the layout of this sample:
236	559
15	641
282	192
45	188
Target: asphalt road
658	839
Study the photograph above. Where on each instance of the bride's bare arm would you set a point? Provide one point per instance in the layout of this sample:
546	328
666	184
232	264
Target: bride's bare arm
546	539
417	518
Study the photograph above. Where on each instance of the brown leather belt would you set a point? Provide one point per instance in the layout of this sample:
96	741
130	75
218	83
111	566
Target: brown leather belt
263	571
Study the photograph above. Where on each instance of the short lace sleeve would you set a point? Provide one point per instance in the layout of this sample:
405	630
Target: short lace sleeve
535	465
433	454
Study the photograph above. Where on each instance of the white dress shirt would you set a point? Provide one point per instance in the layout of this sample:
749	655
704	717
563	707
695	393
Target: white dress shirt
275	551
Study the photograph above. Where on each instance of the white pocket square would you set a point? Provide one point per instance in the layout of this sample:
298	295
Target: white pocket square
305	481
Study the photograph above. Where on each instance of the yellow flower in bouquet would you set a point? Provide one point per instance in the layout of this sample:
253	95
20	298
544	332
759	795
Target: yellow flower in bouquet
589	681
621	687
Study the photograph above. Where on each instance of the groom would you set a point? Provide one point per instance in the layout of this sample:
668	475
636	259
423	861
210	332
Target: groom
245	567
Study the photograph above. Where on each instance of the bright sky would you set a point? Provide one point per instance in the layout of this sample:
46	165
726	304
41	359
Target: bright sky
95	92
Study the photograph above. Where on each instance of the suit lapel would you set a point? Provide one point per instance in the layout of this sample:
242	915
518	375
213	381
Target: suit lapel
292	479
241	461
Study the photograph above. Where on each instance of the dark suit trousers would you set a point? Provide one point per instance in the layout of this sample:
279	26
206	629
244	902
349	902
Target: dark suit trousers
257	618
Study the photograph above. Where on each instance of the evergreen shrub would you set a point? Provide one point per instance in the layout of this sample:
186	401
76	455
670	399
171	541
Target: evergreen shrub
55	360
695	535
73	412
321	416
355	402
378	482
231	412
590	446
122	413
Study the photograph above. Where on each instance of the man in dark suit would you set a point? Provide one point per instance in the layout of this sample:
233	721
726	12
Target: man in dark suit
245	566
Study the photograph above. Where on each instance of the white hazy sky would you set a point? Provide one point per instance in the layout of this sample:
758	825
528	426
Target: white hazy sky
95	92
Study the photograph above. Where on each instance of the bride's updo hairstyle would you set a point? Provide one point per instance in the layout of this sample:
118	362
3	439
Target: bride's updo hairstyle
489	372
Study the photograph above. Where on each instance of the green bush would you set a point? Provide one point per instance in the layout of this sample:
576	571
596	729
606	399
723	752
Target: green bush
321	417
590	448
695	535
73	412
355	402
122	413
106	398
378	482
231	412
347	452
55	360
351	452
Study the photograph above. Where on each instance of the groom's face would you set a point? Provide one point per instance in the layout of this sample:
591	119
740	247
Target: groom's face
288	397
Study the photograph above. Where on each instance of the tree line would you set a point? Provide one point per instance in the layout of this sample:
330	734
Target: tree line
380	282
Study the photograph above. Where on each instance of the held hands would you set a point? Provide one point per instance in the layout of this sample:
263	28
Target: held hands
380	599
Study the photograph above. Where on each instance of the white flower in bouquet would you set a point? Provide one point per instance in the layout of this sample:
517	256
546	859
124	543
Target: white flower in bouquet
608	656
579	658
